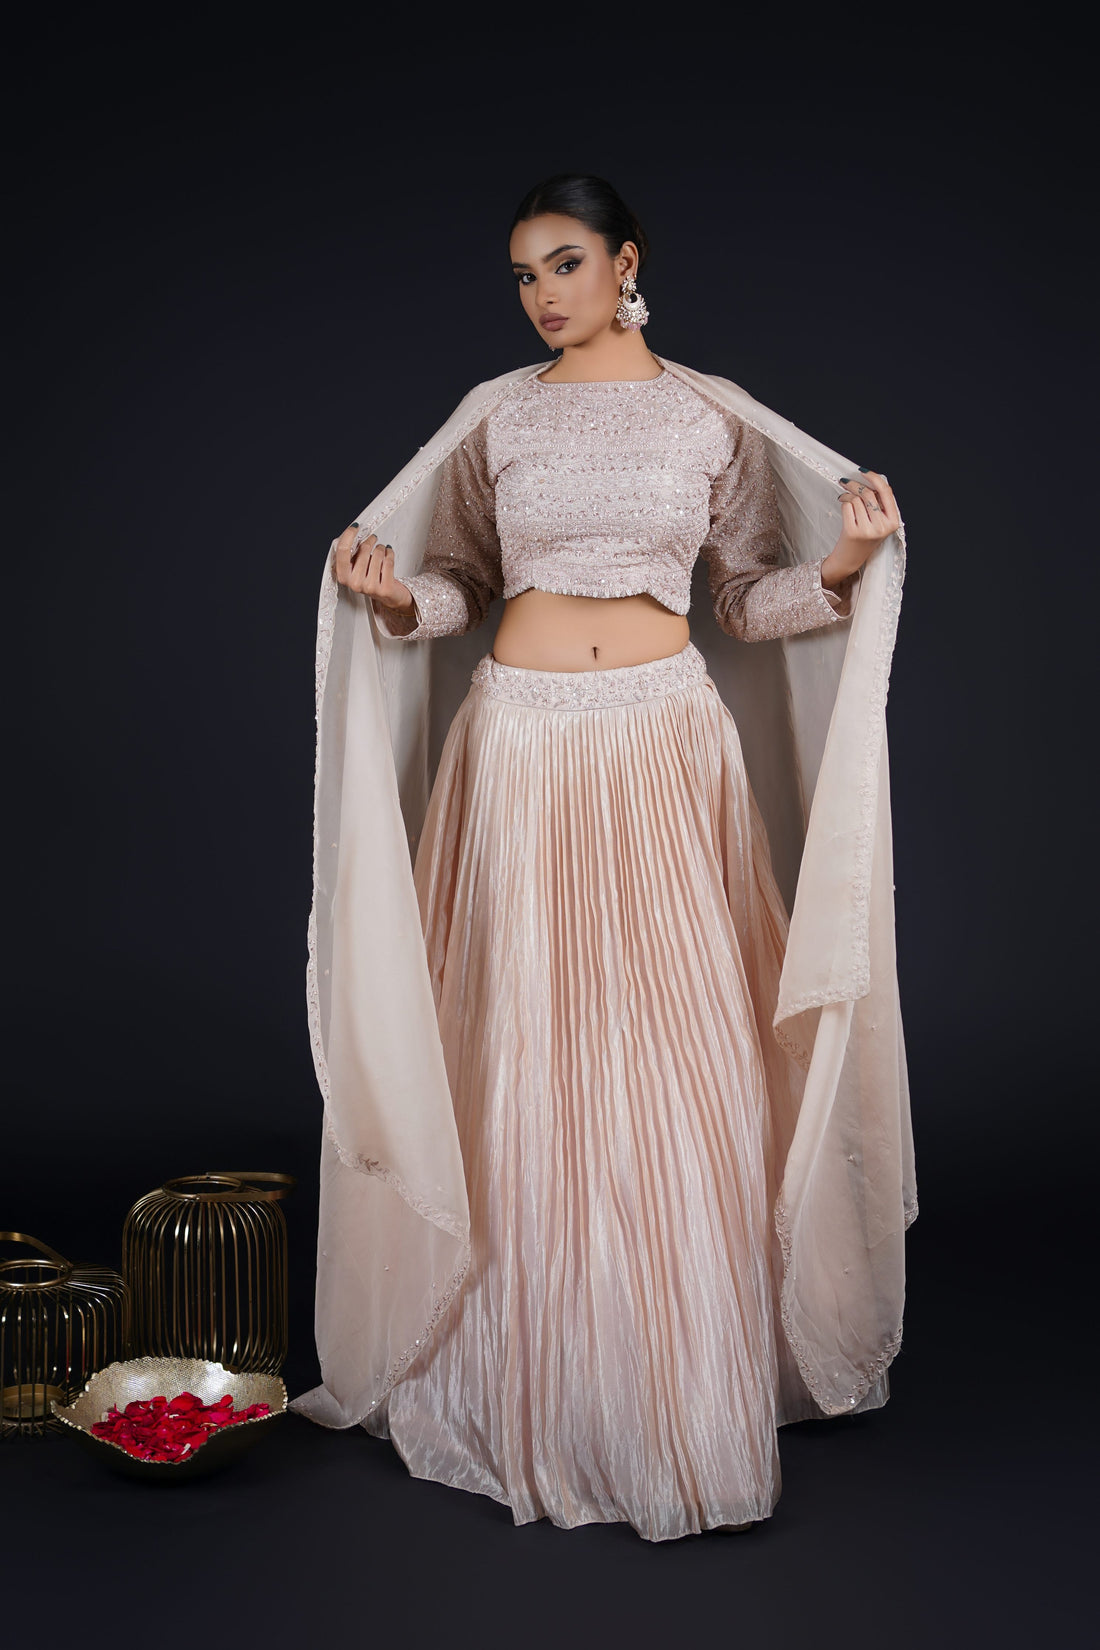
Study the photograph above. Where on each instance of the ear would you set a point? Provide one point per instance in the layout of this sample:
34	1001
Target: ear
626	263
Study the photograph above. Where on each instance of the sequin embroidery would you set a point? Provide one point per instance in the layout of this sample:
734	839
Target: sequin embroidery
588	689
611	489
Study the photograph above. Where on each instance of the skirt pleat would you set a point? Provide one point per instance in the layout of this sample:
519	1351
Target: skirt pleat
604	938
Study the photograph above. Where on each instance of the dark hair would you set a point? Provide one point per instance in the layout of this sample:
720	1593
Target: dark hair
593	202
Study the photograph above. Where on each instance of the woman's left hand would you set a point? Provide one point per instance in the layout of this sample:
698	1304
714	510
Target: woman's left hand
870	514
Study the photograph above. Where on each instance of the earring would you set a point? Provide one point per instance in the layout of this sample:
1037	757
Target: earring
632	312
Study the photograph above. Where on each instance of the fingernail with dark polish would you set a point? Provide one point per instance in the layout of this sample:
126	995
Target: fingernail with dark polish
844	481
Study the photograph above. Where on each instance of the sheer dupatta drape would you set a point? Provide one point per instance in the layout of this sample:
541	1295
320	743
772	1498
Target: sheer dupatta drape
393	1244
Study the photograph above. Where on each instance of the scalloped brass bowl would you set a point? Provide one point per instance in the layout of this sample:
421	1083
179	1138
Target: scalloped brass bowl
144	1378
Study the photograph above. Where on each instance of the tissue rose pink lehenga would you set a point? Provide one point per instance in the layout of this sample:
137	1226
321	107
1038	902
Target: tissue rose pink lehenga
617	1160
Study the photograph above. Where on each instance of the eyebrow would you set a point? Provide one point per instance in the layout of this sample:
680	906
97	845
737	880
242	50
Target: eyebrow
550	255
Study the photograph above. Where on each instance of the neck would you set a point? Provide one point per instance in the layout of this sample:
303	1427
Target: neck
613	354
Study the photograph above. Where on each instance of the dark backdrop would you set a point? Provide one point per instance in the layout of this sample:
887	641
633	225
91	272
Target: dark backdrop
231	248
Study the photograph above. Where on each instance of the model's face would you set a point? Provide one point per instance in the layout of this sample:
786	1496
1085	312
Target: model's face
568	283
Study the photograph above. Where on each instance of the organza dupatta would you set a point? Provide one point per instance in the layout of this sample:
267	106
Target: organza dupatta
393	1242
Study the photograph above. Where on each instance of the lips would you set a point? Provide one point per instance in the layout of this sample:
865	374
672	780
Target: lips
551	322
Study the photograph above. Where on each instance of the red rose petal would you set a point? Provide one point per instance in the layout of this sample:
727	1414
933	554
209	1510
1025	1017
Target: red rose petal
159	1429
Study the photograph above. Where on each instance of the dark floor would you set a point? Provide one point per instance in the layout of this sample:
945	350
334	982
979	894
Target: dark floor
956	1515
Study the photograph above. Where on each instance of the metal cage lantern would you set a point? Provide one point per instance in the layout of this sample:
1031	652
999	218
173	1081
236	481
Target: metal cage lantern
59	1324
205	1257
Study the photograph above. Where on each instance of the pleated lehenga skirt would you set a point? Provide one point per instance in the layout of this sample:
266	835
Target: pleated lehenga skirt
605	937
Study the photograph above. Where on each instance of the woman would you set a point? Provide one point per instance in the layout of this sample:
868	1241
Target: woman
650	1241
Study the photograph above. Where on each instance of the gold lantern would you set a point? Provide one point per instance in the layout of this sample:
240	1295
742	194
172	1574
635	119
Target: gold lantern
59	1324
205	1257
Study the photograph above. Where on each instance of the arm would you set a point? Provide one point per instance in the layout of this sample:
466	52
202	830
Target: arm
461	570
754	597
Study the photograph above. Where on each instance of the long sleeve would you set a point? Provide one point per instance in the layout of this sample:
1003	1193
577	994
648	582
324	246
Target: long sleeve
461	570
754	597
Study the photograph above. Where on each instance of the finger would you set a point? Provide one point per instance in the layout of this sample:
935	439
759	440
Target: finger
378	570
881	520
385	570
883	493
868	495
860	518
864	486
882	512
886	518
351	544
362	557
344	547
854	516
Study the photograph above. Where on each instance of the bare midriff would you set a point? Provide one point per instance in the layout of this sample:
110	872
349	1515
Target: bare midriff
543	631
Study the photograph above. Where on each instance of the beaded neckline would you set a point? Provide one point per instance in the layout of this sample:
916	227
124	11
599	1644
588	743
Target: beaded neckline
598	383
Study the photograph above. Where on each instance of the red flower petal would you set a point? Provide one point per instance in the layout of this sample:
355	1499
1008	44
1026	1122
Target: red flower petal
159	1429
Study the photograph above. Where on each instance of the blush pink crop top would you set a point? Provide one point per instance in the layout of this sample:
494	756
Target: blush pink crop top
611	489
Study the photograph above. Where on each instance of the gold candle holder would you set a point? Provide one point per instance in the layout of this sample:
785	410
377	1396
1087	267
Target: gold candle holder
59	1325
205	1257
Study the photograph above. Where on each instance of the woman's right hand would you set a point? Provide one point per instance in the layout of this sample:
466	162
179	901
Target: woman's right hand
369	570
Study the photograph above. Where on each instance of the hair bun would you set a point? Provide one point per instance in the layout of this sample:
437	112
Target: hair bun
592	201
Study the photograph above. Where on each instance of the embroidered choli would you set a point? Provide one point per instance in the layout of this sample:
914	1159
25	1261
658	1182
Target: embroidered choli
611	489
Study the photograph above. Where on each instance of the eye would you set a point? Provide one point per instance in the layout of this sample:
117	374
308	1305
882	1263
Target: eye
524	277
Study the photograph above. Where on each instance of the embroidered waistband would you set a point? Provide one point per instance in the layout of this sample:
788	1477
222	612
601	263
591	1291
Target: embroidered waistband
579	689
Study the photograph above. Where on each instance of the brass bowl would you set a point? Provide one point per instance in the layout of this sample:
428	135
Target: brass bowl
144	1378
